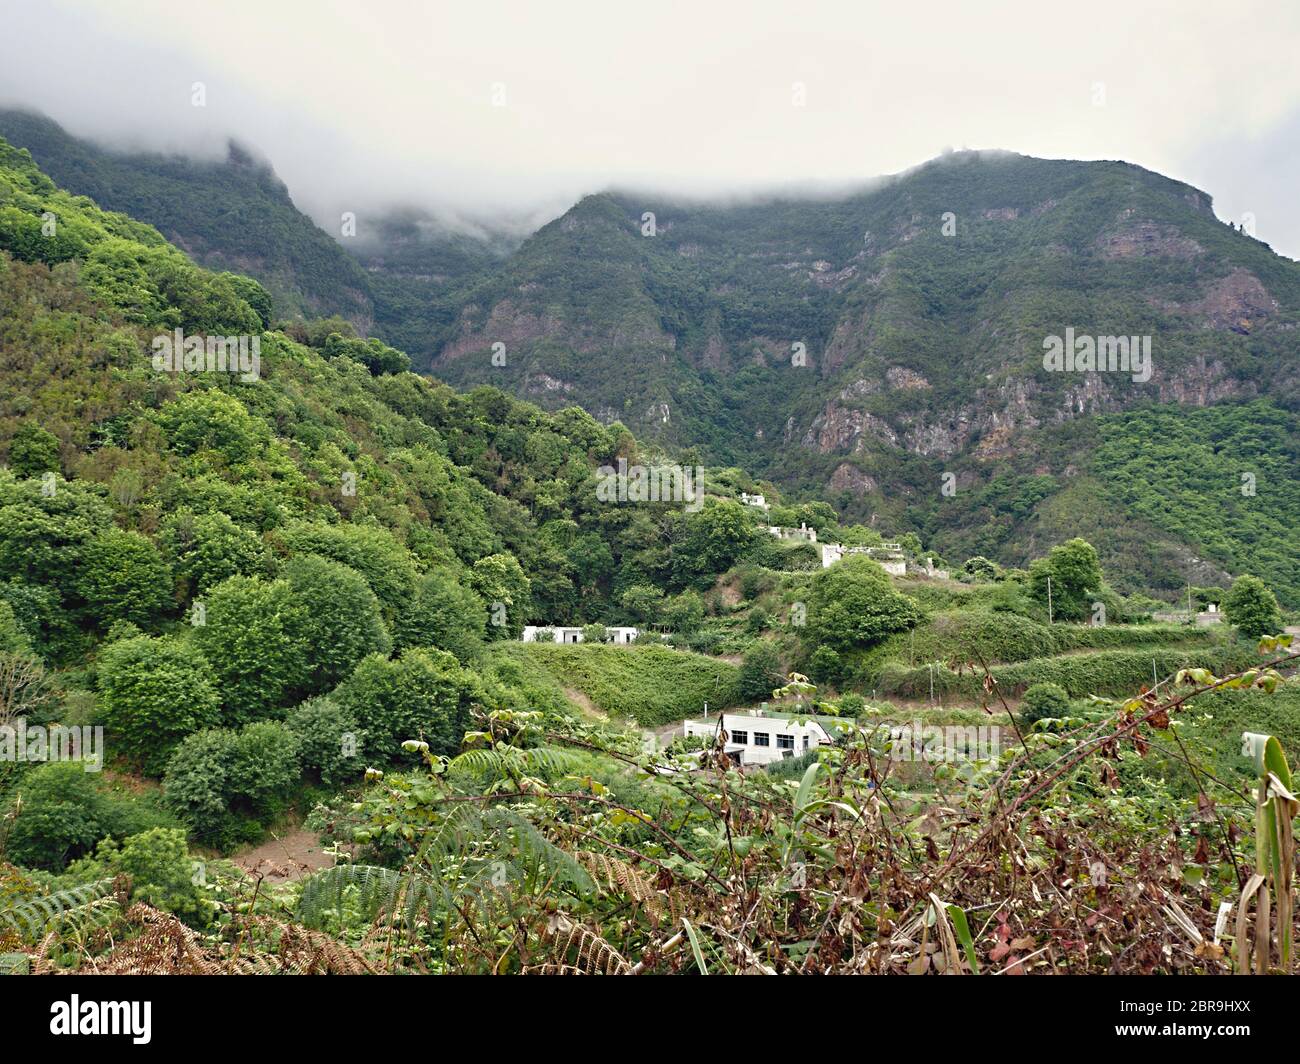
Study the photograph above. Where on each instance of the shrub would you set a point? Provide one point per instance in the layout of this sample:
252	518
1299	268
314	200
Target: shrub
62	816
228	784
161	871
155	692
66	810
331	744
1044	700
825	666
760	671
424	694
649	683
1252	608
980	568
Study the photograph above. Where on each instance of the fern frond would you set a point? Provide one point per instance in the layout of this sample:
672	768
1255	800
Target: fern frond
623	877
578	947
63	911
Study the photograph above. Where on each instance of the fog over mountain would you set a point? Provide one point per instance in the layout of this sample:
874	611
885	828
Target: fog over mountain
489	119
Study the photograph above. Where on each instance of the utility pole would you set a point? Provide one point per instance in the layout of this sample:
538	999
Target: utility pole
1049	600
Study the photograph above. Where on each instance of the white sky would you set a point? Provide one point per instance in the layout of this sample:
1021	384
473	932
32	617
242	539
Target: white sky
364	104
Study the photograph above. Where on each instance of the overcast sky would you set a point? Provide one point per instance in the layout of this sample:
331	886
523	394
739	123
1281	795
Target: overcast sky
363	103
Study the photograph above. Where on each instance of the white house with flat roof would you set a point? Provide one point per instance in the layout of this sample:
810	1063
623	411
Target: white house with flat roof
754	500
537	633
534	633
757	737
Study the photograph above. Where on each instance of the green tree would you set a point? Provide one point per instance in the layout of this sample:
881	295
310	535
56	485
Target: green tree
760	671
853	605
206	549
122	576
683	613
254	636
443	613
33	450
1252	608
369	549
213	421
1076	580
980	568
716	538
331	744
501	584
825	666
642	603
154	692
424	694
337	619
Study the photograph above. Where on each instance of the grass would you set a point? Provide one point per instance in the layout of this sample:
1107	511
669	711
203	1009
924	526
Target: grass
648	684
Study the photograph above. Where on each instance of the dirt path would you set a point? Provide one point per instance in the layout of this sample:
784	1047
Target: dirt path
588	707
292	855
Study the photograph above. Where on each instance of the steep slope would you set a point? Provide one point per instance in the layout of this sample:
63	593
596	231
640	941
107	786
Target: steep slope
231	215
922	305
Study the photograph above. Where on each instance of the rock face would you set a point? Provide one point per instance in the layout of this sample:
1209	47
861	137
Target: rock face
1144	240
858	344
852	479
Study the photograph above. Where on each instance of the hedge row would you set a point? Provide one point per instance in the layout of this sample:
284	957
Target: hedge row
999	638
1107	672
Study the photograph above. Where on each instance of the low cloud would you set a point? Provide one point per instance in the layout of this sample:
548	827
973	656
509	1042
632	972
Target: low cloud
502	115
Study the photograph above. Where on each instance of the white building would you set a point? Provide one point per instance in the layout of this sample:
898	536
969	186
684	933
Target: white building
533	633
803	532
931	571
754	500
893	563
756	737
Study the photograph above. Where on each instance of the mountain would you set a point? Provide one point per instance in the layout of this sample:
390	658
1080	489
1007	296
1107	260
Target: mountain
236	214
921	305
881	348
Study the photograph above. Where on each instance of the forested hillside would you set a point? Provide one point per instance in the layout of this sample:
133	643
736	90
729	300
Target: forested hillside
881	349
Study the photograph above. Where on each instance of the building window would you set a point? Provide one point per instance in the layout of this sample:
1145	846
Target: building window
761	738
785	742
741	737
